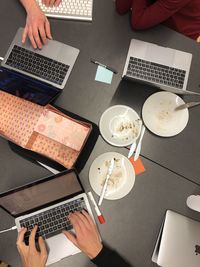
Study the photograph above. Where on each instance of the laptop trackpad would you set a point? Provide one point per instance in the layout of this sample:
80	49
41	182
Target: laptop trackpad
59	247
51	50
161	55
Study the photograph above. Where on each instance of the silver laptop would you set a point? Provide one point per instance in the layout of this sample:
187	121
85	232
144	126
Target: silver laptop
178	243
69	9
50	66
47	202
165	68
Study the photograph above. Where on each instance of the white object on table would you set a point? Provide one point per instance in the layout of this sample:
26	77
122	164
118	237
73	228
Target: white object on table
110	169
193	202
120	125
132	150
138	149
54	171
123	166
161	118
98	212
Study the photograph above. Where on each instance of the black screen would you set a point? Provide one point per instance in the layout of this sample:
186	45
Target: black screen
26	87
39	194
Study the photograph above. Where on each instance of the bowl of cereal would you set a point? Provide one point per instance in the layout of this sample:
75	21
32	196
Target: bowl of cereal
120	125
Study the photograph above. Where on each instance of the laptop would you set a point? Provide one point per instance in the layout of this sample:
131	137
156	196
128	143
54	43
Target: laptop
178	243
69	9
162	67
39	75
47	202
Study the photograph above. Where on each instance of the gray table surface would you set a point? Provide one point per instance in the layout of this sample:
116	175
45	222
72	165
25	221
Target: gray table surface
169	162
132	223
107	39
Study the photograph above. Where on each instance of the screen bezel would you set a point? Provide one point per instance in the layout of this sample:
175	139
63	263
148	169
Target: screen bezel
48	178
55	92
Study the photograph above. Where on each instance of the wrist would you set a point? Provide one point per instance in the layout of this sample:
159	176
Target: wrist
29	5
95	252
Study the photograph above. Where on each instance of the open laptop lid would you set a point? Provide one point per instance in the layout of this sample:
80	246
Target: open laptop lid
26	87
159	55
41	193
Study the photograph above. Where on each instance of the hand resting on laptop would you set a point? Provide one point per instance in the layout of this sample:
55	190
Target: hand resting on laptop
87	239
37	26
30	256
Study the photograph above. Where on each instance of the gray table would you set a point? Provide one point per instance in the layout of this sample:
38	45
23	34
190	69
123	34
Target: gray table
107	39
132	223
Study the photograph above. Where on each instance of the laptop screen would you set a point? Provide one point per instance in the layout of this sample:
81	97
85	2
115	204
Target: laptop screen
40	193
26	87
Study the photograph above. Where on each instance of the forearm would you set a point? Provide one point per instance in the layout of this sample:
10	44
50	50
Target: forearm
108	257
123	6
28	4
146	15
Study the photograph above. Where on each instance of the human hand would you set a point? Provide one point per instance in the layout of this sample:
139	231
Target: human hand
51	2
86	236
30	256
37	27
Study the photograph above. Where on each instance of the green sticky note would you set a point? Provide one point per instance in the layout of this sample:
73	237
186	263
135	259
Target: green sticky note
103	75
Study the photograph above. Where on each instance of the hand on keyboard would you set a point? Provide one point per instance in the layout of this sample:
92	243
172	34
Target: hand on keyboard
51	2
37	26
30	256
87	237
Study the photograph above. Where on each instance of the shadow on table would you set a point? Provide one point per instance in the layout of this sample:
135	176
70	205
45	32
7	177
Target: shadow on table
132	94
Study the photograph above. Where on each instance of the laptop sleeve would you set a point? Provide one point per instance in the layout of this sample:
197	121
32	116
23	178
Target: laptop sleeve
44	130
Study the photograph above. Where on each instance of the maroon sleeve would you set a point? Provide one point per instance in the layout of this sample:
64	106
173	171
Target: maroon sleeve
123	6
146	15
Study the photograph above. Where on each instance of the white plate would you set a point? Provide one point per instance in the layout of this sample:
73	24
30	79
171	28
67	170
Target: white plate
161	118
120	125
122	178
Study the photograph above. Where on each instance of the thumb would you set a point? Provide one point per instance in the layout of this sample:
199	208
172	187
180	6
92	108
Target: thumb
42	246
71	237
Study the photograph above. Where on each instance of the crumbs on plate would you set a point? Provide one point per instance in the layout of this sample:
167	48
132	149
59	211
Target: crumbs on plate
116	177
126	129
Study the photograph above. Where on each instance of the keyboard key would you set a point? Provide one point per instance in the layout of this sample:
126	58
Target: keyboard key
52	221
75	9
22	59
150	71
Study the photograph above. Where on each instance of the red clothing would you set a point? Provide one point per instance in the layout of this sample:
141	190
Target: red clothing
180	15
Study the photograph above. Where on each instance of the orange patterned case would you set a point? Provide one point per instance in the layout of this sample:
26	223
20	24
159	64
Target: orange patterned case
44	130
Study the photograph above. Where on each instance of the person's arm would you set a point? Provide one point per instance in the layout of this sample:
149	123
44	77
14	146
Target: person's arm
86	237
37	26
88	240
145	15
108	257
123	6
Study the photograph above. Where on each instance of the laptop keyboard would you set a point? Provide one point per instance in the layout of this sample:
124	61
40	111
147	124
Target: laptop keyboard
52	221
73	9
153	72
38	65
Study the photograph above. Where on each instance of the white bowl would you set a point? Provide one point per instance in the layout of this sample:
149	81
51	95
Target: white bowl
161	118
120	125
121	180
